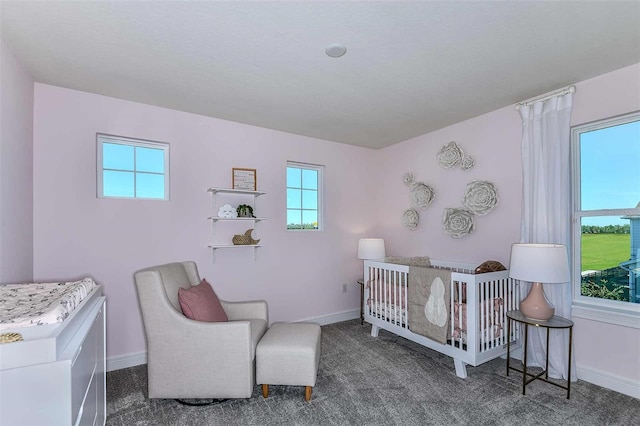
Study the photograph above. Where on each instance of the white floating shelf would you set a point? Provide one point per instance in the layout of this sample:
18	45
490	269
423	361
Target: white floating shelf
214	247
245	219
218	246
235	191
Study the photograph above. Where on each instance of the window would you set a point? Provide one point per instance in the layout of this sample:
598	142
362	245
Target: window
304	196
606	207
132	168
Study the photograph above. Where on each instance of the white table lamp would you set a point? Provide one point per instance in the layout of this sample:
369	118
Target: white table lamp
371	248
539	263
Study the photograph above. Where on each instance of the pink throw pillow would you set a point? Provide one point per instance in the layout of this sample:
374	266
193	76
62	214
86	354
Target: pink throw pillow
200	303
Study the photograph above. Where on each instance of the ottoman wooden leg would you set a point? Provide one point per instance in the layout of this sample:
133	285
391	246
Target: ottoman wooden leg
307	393
265	390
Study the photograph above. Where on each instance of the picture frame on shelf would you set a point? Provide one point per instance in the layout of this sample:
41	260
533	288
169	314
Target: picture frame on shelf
245	179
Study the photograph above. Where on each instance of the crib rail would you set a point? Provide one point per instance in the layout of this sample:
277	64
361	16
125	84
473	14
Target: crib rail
477	308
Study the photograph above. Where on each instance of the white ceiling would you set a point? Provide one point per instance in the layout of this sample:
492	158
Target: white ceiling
410	67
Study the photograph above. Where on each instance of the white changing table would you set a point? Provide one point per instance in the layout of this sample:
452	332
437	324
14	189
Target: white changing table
56	375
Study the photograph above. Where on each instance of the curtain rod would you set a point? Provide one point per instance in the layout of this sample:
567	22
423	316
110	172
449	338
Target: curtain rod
560	92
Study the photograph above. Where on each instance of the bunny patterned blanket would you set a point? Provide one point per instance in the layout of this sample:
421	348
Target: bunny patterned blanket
429	302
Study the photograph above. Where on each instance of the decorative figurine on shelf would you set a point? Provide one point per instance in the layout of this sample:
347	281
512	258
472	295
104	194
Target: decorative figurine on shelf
227	212
244	240
245	210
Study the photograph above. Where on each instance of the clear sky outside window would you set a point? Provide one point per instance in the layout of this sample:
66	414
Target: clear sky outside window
606	242
132	168
304	183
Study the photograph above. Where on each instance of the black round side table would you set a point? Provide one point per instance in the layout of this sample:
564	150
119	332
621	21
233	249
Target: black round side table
554	322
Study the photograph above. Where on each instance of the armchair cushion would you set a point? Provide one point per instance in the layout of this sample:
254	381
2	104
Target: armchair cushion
200	303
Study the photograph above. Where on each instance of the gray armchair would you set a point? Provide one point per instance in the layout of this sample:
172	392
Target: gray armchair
192	359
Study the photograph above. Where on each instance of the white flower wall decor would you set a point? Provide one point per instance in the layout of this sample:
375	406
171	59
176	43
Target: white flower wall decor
408	179
467	162
480	197
421	195
458	223
451	155
410	219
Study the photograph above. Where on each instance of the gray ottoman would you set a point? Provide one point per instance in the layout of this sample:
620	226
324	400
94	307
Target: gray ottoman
288	354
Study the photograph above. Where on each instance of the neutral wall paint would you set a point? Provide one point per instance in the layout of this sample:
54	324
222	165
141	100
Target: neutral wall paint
300	274
16	170
490	139
494	139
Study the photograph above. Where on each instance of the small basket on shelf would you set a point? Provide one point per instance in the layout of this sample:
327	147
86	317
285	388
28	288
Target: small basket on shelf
244	240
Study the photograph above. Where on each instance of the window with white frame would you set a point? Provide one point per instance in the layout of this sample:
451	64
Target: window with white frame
304	196
606	209
132	168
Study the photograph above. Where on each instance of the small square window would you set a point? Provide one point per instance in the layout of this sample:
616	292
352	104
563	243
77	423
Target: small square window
304	196
132	168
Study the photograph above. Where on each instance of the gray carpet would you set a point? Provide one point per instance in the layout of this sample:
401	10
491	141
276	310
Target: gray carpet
385	380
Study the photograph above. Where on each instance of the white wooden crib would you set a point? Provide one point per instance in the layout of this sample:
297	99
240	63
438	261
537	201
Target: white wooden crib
478	305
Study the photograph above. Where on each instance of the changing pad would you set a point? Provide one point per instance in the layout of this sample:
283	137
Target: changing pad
23	305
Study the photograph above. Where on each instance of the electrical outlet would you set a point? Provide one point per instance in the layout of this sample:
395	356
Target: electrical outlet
344	287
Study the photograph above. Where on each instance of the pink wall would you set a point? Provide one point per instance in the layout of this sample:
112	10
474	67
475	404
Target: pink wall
494	140
300	274
16	170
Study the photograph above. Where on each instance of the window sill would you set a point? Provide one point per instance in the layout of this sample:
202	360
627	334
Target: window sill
606	314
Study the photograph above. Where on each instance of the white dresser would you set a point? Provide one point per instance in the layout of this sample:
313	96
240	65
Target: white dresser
56	376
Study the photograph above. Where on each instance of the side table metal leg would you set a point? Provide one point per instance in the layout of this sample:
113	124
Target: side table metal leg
362	304
508	343
524	367
546	365
569	371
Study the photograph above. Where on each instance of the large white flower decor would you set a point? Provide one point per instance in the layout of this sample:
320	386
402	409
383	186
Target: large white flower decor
451	155
421	195
480	197
458	222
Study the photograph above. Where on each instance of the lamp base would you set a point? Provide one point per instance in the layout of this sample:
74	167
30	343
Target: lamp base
536	306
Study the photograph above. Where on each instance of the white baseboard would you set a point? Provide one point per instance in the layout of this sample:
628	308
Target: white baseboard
333	318
125	361
131	360
615	383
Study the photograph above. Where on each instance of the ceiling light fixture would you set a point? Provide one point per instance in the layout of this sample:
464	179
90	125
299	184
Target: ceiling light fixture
336	50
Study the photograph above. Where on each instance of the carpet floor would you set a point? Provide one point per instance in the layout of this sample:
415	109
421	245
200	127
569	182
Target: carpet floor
387	380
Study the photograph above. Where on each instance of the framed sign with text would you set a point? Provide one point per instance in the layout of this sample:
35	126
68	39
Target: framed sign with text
245	179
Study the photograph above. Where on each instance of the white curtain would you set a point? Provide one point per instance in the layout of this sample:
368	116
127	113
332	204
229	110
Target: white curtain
546	213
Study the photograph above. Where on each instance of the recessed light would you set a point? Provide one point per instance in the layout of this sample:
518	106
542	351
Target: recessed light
336	50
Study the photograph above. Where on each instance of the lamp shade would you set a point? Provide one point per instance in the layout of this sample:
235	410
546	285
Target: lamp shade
371	248
541	263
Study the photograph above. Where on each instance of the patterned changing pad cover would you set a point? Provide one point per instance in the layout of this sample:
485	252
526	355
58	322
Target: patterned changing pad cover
23	305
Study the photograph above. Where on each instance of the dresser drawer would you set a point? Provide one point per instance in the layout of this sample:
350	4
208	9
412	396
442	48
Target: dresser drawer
83	368
89	408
